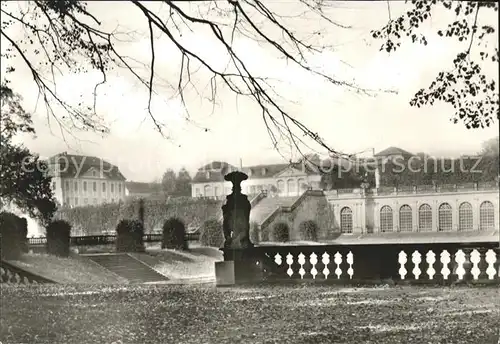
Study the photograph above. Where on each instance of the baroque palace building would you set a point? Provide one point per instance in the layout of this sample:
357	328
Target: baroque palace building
79	180
292	193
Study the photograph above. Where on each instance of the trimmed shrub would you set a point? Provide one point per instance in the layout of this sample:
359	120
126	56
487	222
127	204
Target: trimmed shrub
309	230
58	236
11	232
281	232
23	228
212	234
174	234
129	236
254	232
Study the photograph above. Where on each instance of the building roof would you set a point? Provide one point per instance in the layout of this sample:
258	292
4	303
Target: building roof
393	151
143	188
215	171
74	166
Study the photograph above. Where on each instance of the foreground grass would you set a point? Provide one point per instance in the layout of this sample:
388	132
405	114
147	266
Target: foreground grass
204	314
74	269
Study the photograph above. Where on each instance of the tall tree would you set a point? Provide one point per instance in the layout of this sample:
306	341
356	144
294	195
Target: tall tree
67	36
183	183
169	182
24	181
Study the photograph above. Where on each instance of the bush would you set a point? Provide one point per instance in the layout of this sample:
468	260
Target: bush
12	239
174	234
254	232
58	236
23	228
309	230
129	236
281	232
212	234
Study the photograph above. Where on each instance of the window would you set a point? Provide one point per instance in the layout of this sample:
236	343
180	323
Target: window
465	217
94	186
405	219
445	217
119	188
281	186
216	191
94	174
207	190
67	185
386	223
85	201
67	201
112	188
197	192
84	186
291	186
103	187
346	220
76	201
486	216
425	218
76	186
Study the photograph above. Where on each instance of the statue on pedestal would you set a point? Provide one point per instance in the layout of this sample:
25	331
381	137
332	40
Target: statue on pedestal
236	212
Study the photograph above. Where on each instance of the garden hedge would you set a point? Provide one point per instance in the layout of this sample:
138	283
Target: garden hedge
58	238
281	232
309	230
174	234
129	236
93	220
212	234
13	234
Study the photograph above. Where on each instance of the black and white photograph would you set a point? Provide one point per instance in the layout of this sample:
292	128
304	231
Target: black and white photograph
249	171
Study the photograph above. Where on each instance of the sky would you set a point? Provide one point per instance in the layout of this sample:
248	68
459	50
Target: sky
347	121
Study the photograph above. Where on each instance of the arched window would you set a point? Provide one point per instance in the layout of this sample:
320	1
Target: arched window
405	218
346	220
207	190
465	217
291	187
386	223
445	217
281	186
425	218
486	215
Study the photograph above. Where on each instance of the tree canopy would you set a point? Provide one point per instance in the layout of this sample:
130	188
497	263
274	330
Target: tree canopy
67	37
24	181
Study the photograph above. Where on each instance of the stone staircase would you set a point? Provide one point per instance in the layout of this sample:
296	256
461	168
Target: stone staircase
127	267
268	205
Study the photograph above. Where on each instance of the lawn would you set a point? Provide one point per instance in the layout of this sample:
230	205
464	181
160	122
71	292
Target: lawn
280	314
74	269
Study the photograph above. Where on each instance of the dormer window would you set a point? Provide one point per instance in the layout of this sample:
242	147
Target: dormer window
250	172
94	174
264	171
208	174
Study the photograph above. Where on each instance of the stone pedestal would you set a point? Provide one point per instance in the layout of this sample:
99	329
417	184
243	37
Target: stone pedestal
239	266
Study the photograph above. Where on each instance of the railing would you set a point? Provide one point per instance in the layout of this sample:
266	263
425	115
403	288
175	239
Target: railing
91	240
12	274
356	264
290	208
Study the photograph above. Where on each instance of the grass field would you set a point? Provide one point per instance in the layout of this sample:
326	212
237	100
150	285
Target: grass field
74	269
286	314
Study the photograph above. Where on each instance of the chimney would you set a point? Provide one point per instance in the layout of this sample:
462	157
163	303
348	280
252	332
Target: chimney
241	164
